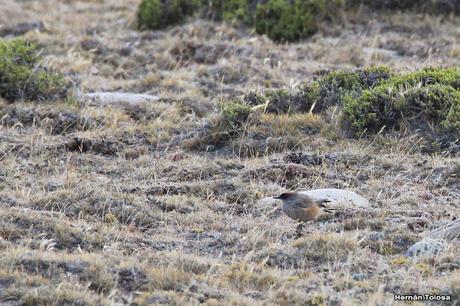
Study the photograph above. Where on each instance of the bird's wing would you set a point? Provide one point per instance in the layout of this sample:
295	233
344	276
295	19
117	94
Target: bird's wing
303	204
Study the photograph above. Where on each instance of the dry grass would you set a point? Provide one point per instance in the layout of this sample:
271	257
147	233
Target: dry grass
121	205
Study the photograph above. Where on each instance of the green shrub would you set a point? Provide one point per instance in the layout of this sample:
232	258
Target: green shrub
448	76
331	89
254	99
279	101
373	98
230	10
281	20
426	100
238	10
235	114
158	14
22	78
223	127
433	105
149	15
321	94
370	111
287	21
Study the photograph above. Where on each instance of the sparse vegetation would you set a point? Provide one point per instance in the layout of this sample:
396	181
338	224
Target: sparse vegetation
426	100
375	98
21	77
281	20
165	202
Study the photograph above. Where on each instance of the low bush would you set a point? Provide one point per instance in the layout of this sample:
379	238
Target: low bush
281	20
21	76
331	89
375	98
426	100
230	10
286	21
157	14
321	94
235	114
368	100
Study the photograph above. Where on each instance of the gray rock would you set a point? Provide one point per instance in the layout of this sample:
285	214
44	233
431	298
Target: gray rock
427	247
110	98
381	52
450	231
338	197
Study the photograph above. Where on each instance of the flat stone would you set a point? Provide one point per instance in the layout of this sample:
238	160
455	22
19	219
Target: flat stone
381	52
427	247
110	98
450	231
338	197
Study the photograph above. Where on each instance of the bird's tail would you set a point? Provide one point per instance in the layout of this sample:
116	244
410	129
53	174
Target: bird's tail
325	208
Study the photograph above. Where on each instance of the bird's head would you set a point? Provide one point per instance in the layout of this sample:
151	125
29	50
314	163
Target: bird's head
286	196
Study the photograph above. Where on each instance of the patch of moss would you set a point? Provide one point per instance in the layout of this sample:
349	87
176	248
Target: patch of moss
21	77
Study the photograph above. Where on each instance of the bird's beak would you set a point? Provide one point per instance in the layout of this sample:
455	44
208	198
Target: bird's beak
276	197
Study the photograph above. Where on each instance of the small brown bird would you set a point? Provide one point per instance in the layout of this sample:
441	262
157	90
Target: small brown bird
302	207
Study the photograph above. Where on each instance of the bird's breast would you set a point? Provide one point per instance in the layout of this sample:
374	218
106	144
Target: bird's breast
300	213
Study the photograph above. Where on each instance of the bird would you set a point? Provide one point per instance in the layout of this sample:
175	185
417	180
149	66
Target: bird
302	208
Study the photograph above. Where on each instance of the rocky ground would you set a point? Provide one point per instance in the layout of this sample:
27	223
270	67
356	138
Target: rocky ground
117	205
